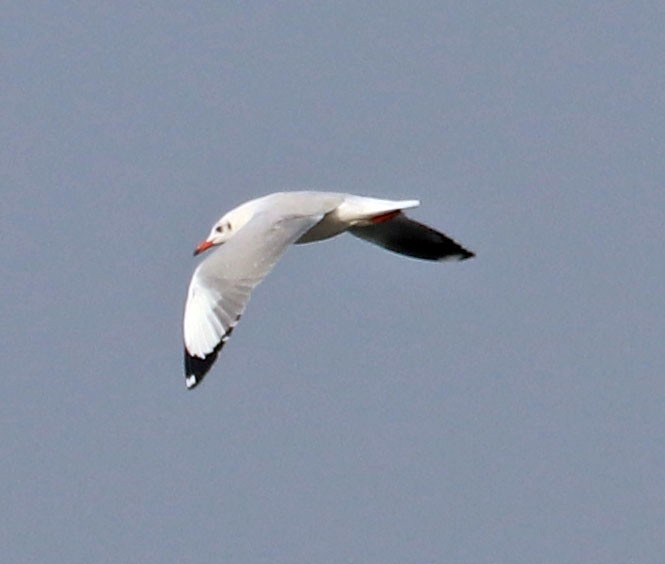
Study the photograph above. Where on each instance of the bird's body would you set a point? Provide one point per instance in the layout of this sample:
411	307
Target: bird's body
256	234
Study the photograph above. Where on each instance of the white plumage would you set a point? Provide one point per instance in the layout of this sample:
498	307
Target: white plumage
254	236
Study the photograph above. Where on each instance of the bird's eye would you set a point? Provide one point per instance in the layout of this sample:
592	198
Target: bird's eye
219	229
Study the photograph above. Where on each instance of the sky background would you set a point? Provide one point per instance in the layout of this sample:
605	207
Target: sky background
369	407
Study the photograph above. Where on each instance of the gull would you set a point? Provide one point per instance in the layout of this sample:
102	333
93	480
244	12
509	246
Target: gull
251	239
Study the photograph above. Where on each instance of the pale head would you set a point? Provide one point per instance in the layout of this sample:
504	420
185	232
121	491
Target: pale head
227	226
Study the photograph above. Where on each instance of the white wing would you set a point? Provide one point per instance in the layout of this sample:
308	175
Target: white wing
221	285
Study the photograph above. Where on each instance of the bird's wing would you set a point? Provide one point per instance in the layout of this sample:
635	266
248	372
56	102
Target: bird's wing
407	237
221	284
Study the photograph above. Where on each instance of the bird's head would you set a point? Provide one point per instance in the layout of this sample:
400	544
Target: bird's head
225	228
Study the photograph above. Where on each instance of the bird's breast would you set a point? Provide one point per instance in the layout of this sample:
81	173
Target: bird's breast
328	227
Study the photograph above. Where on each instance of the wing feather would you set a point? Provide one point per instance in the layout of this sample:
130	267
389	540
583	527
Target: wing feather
408	237
222	284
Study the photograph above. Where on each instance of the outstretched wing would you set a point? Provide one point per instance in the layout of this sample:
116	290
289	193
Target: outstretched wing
407	237
222	284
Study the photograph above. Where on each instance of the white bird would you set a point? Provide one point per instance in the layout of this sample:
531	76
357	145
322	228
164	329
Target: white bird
256	234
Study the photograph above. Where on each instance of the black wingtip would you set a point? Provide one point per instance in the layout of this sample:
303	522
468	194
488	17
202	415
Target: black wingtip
196	368
448	249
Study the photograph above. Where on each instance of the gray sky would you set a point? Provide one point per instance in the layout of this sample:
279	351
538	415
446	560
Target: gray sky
369	407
